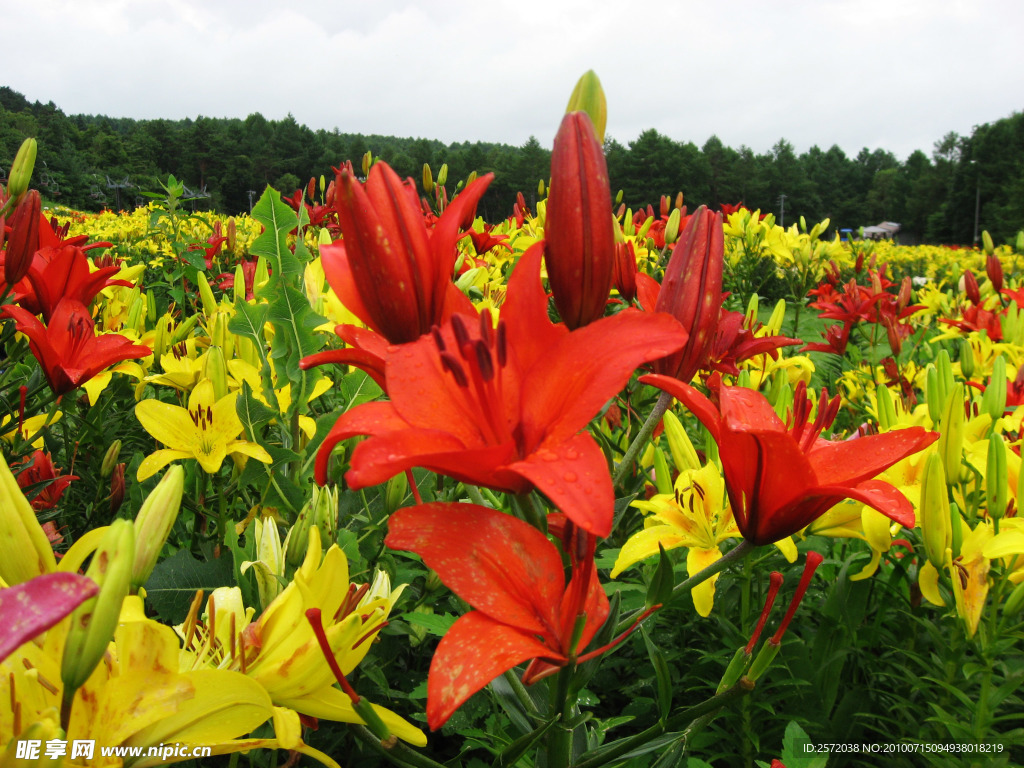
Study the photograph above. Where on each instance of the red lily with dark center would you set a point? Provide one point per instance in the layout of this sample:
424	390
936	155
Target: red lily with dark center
504	408
513	577
68	348
779	478
37	470
60	273
389	270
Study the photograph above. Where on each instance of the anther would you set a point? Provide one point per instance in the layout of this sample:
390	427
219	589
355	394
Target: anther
451	364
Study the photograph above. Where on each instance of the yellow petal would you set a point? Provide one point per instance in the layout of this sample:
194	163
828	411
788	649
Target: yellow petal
928	581
169	424
158	460
704	593
644	544
332	704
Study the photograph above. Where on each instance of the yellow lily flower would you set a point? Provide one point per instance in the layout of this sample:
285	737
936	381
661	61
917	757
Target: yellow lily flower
206	431
29	427
696	516
969	574
280	651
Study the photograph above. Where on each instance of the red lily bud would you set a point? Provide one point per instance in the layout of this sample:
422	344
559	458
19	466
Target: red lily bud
895	342
625	271
860	263
24	238
679	199
692	291
232	235
903	297
774	583
994	270
810	566
579	233
664	205
311	189
971	287
116	488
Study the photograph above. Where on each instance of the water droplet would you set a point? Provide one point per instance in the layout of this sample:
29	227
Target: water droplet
572	454
549	455
569	477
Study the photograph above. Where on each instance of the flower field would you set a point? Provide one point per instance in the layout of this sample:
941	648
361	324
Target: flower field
363	479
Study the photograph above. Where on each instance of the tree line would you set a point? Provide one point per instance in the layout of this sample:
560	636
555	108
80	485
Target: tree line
91	162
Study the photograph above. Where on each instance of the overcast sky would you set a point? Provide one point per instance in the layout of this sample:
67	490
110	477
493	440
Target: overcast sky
891	74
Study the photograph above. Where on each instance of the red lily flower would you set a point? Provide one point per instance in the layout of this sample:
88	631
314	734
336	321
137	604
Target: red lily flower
23	241
735	342
837	336
578	232
513	578
389	270
38	468
61	273
504	408
68	348
781	479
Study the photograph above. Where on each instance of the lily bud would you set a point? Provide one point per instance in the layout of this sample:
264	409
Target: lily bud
751	314
588	96
238	293
672	227
23	242
997	479
26	550
951	437
684	455
93	623
579	233
993	401
394	492
367	163
215	368
986	243
428	179
232	236
994	270
21	171
775	320
662	474
1014	603
110	459
625	271
935	513
971	287
116	488
206	294
442	175
269	565
692	292
154	522
886	408
966	359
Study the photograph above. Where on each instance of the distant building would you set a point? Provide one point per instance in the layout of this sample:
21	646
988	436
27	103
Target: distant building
887	230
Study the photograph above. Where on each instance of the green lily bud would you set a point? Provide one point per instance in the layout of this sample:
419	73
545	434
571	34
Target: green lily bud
736	667
993	402
763	660
94	621
951	437
662	474
27	551
183	329
932	395
945	368
672	227
751	314
238	291
1018	244
986	243
886	408
395	491
442	175
269	563
325	511
935	513
21	171
110	459
154	522
645	228
710	447
215	368
966	359
428	179
618	197
996	477
296	542
744	380
262	274
136	319
38	733
206	294
588	96
418	632
956	529
774	324
684	455
1015	602
540	188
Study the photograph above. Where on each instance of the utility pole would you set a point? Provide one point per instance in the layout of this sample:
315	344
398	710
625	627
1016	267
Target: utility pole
782	210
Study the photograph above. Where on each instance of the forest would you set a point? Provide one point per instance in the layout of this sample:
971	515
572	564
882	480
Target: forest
967	184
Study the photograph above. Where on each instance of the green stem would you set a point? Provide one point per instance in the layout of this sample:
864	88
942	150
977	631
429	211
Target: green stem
735	554
399	754
626	464
521	694
475	496
559	746
687	716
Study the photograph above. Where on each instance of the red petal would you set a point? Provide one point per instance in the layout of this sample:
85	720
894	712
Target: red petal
566	387
573	474
851	461
500	565
531	335
647	291
34	606
697	403
472	653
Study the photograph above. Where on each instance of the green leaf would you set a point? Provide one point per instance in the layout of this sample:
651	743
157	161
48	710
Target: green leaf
662	675
278	219
793	743
359	388
173	583
659	591
511	754
435	624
